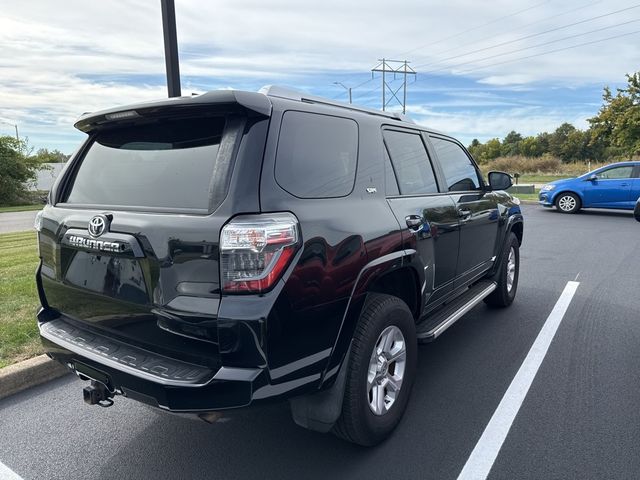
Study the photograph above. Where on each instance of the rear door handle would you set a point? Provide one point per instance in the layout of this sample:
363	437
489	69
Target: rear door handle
624	184
464	214
414	222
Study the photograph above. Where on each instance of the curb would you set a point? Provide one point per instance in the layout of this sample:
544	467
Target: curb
529	202
29	373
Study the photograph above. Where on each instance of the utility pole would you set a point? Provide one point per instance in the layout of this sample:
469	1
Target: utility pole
348	89
396	67
171	47
14	126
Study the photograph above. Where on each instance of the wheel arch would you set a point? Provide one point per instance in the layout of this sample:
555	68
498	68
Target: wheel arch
518	229
575	192
377	276
402	283
320	410
515	224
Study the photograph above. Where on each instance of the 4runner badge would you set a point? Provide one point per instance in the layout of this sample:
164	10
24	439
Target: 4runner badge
79	241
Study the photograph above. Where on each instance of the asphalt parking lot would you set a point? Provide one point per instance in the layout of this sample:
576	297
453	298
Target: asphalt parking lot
17	221
580	418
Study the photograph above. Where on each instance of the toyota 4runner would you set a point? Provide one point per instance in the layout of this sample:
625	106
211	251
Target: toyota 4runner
212	252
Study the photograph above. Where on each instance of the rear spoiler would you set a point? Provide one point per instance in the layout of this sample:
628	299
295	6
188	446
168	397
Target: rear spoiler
254	102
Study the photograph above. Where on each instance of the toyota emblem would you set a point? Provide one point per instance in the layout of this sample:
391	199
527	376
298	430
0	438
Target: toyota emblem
97	225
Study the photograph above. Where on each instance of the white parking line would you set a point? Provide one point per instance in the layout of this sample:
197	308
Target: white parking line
7	474
486	450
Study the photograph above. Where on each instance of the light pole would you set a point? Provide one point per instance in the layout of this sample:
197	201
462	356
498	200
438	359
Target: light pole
348	89
14	126
171	47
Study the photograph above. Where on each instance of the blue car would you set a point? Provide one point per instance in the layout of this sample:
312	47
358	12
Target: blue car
613	186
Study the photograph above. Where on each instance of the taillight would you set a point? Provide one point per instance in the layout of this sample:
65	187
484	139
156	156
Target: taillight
255	250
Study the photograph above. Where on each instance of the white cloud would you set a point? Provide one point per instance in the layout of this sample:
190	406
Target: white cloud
509	79
59	59
467	125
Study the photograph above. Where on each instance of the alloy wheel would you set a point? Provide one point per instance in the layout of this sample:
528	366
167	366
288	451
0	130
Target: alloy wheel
511	269
567	203
386	370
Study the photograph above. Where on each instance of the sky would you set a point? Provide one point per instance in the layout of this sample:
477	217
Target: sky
483	68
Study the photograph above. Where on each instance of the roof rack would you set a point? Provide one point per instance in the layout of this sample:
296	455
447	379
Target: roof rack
296	95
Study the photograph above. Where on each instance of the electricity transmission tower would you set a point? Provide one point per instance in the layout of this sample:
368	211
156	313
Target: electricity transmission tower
393	67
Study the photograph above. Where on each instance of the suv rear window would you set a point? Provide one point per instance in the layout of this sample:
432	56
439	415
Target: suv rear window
317	155
160	165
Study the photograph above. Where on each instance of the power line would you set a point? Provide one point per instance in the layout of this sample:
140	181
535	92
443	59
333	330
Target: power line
530	36
520	27
550	51
480	26
386	66
532	46
353	88
367	92
472	29
363	83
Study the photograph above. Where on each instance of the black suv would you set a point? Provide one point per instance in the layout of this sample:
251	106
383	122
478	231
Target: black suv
212	252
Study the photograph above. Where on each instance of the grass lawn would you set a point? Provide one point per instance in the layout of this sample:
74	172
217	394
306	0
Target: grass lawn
527	178
527	196
21	208
18	298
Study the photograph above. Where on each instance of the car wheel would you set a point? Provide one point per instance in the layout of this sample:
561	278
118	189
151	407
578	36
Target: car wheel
507	275
380	372
568	203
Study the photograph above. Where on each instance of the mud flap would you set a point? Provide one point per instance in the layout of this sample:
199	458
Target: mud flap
320	411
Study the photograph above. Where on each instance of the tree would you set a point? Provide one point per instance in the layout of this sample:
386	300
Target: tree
475	149
492	149
568	143
543	139
511	144
16	170
486	152
43	155
617	124
529	147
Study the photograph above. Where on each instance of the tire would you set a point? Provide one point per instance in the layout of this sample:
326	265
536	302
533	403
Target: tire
383	317
568	202
507	275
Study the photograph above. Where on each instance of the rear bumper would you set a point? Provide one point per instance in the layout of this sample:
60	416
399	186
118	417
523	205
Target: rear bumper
148	377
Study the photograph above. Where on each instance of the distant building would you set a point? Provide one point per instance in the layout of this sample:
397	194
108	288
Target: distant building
47	176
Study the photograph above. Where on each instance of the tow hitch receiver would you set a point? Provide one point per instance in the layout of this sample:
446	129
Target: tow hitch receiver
97	394
101	390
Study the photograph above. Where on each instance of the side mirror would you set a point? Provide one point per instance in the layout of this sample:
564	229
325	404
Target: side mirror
593	177
636	212
499	180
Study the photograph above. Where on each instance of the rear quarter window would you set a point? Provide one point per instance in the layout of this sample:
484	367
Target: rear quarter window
317	155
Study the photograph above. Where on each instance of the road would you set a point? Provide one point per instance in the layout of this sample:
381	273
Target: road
17	221
580	418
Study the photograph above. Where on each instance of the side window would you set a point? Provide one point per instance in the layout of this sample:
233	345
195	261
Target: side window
317	155
391	184
616	173
410	162
459	171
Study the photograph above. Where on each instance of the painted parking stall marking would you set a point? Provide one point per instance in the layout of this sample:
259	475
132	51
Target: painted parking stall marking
7	474
486	450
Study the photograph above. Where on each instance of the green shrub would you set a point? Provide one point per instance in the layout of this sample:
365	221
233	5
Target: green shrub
544	165
17	170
